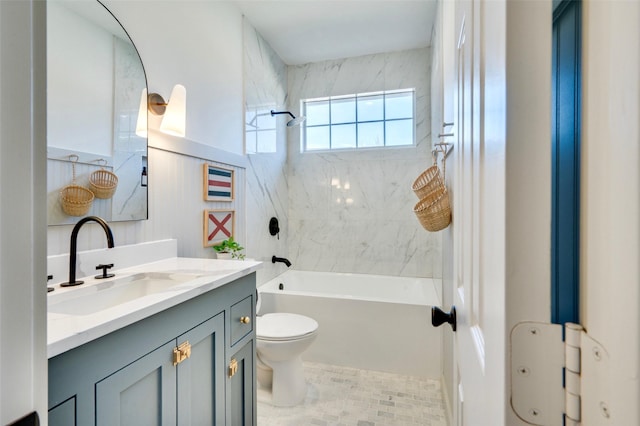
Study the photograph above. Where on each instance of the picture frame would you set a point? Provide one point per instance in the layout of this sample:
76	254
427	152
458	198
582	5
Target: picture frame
218	183
219	225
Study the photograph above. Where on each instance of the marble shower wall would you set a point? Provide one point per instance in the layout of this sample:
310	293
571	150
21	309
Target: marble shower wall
352	211
265	88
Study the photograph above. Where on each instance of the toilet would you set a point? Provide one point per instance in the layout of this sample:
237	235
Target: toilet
281	339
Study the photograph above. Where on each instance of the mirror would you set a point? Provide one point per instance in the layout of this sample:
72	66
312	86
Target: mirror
95	84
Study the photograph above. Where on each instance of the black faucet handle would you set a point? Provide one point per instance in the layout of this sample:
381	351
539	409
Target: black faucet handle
104	271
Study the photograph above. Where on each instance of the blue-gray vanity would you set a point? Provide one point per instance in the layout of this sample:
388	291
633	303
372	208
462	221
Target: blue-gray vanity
182	355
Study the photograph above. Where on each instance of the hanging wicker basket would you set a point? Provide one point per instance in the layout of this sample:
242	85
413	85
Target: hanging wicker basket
434	210
76	200
428	180
103	183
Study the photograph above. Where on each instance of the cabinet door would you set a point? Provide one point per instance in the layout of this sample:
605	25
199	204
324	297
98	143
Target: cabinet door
63	414
201	377
241	388
142	393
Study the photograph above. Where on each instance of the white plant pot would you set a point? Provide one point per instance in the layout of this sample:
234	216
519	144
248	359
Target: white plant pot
226	256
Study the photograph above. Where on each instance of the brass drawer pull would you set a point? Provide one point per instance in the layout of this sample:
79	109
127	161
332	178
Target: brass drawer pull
233	367
182	352
245	320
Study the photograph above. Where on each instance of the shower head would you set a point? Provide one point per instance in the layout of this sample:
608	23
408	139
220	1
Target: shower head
293	122
296	121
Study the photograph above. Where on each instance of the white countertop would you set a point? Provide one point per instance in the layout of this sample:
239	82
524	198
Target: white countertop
67	331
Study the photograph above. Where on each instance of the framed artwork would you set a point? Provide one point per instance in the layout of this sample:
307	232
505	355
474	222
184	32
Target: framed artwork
218	183
218	226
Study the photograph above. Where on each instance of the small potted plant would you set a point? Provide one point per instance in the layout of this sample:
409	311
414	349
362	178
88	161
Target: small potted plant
229	249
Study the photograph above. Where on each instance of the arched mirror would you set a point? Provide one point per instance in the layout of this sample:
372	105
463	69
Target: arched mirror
95	85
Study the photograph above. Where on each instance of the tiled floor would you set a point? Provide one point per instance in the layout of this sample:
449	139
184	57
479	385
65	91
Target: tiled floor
348	396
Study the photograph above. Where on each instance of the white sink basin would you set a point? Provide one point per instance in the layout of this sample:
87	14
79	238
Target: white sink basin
107	294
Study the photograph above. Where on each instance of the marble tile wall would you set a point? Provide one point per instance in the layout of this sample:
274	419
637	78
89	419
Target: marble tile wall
265	87
376	231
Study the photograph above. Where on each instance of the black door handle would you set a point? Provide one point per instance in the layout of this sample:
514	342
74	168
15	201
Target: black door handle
439	317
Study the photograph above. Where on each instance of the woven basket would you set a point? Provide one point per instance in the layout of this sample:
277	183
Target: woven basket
434	210
103	183
428	181
76	200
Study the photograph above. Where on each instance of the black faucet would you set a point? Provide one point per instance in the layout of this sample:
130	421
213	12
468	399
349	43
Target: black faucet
281	259
74	238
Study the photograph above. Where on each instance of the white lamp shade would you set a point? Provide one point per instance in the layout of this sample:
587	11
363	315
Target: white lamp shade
141	123
173	122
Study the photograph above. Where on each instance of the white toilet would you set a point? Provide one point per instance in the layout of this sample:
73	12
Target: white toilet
281	339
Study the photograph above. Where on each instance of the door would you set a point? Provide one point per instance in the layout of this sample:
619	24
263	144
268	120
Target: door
478	231
63	414
242	402
142	393
565	163
201	376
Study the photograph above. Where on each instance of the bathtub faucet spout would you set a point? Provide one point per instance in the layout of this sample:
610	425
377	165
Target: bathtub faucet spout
281	259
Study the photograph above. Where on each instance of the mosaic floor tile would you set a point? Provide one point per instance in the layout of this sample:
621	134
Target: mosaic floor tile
342	396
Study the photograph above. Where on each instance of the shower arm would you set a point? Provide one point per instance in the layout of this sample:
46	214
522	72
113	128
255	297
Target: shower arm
282	112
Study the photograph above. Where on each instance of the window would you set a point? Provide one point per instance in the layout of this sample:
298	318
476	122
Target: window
260	131
365	120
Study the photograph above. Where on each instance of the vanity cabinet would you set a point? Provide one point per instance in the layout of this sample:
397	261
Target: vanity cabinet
173	368
242	398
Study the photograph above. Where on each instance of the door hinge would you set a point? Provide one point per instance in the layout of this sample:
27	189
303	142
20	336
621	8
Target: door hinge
554	381
182	352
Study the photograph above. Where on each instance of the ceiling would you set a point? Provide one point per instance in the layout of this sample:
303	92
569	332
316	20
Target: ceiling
303	31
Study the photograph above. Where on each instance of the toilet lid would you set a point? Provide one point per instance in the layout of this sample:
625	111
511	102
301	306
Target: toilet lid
284	326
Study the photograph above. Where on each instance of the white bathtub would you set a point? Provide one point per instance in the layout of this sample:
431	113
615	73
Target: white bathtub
372	322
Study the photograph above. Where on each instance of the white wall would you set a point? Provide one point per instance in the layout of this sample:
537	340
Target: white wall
378	232
610	197
199	45
74	97
176	207
23	361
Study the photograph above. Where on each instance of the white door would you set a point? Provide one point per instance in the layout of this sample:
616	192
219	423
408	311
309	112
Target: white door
610	198
478	231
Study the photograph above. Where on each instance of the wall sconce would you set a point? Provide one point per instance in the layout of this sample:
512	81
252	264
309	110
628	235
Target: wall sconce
174	110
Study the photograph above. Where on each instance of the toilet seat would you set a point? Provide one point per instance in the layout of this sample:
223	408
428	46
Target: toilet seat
284	326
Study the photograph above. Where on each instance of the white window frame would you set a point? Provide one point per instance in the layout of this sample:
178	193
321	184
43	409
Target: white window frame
384	120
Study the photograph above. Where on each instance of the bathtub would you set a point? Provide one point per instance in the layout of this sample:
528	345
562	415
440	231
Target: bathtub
371	322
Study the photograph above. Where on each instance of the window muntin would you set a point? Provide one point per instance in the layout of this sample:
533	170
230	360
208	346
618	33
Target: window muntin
260	131
365	120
